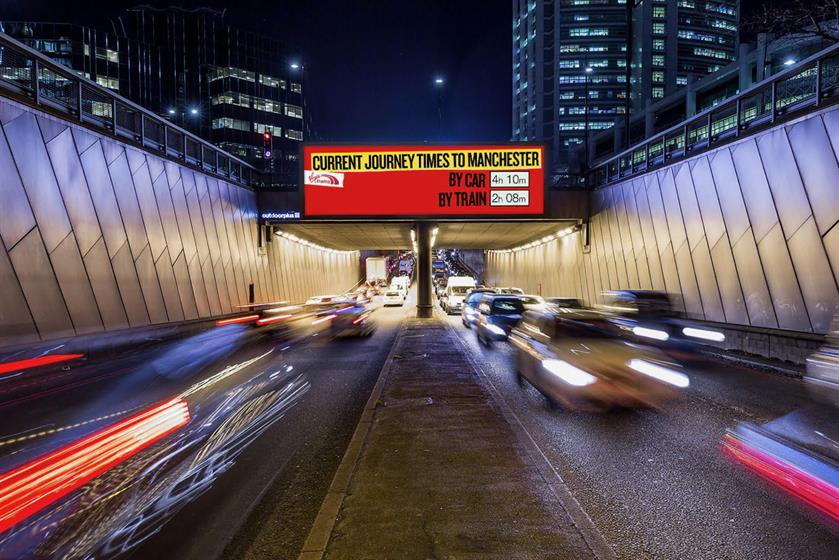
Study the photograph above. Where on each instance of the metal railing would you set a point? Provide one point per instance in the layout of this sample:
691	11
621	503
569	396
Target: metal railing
35	79
805	86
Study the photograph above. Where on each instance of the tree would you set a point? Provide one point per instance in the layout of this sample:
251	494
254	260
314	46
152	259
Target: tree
810	18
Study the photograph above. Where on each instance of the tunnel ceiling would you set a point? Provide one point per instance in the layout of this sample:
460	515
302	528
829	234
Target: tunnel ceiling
397	235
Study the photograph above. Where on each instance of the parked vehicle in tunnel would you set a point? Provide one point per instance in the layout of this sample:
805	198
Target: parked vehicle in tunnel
393	297
470	312
573	359
496	317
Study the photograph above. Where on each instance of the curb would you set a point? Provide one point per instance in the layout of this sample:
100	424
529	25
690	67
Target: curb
318	538
580	519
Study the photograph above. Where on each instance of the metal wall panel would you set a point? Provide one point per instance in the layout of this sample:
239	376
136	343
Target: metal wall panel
706	281
755	188
74	191
104	200
37	280
150	286
753	282
819	170
788	194
50	128
75	286
173	173
818	285
184	285
169	287
830	119
672	209
782	282
17	215
167	215
199	290
692	219
84	139
186	235
129	287
104	286
210	286
16	325
687	282
136	159
831	247
221	282
111	150
33	164
199	235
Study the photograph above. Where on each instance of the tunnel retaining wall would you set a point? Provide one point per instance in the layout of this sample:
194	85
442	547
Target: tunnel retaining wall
100	236
744	235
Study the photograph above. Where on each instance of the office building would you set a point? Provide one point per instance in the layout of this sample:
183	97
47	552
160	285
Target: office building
570	62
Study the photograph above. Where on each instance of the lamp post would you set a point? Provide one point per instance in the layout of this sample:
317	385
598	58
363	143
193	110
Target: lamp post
193	111
439	82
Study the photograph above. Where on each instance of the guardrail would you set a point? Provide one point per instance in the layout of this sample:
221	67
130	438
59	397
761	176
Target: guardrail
805	86
35	79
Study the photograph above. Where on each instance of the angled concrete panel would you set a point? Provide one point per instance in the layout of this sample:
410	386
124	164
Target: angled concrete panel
104	286
672	209
211	288
112	150
33	164
155	165
167	215
84	139
74	190
184	225
17	215
196	220
787	190
75	286
782	282
37	280
728	282
150	286
136	159
728	191
706	280
129	287
818	285
687	282
146	212
755	188
706	198
169	287
223	291
50	127
199	289
818	167
692	219
184	285
104	199
750	270
16	325
210	227
173	173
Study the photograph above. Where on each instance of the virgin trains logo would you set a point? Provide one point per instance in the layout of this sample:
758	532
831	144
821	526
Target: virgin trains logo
321	179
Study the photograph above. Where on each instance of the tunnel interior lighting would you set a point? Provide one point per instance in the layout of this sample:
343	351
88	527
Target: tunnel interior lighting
655	334
37	484
533	244
306	243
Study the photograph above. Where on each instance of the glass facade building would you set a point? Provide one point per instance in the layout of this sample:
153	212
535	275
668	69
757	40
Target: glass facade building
570	61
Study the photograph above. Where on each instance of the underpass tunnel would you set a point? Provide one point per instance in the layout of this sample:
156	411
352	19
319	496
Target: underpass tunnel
479	242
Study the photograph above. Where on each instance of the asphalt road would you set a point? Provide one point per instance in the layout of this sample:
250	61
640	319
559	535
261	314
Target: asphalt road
265	505
655	482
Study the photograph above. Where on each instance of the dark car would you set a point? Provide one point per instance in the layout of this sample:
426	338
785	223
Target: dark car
565	302
351	318
469	314
649	317
497	315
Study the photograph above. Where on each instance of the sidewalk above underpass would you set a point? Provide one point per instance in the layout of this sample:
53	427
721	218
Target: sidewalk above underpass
436	470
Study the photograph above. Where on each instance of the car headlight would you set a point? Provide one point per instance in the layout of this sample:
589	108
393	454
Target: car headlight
659	372
496	329
568	373
650	333
713	336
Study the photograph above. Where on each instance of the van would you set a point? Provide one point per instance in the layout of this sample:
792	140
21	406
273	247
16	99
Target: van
456	289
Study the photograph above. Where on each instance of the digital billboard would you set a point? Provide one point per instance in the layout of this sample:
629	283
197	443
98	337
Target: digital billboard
423	181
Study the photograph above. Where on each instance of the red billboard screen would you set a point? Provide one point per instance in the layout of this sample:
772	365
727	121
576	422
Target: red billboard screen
409	181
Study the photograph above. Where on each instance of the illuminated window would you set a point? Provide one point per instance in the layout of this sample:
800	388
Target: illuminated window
598	48
271	82
576	110
296	88
722	24
658	28
293	111
234	124
107	54
566	95
658	60
658	11
569	63
569	48
294	134
658	44
572	126
586	32
580	17
658	92
238	73
713	53
658	77
259	128
108	82
599	63
681	80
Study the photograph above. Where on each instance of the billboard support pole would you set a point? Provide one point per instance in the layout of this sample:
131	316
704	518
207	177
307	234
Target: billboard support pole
424	303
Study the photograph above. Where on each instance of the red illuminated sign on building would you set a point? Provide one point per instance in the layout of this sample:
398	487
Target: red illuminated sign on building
344	181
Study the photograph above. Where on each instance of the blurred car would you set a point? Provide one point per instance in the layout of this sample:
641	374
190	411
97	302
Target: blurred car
320	300
393	297
496	317
351	318
512	291
567	302
649	317
533	303
573	359
469	314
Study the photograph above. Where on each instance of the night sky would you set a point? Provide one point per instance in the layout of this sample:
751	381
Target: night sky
369	65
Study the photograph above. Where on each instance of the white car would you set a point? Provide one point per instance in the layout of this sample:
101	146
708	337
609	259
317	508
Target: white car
317	300
393	297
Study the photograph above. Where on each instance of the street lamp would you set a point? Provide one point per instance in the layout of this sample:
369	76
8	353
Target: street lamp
439	82
171	110
193	111
295	66
789	62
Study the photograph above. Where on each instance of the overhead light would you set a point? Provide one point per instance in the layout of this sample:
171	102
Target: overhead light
171	111
589	69
789	62
413	236
193	111
435	231
295	65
